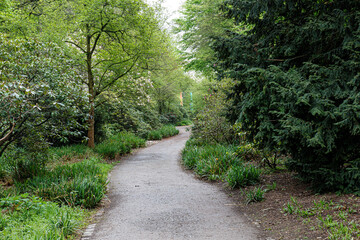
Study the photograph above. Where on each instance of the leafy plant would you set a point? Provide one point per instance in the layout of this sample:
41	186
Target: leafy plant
119	144
254	195
29	217
295	90
79	184
242	175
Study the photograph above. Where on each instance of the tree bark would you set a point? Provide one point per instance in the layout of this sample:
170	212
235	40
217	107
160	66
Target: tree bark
91	85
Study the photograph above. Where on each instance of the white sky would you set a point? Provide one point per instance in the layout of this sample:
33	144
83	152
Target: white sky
172	8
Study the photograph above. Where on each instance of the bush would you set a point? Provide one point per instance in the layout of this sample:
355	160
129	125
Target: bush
21	163
154	135
305	103
119	144
210	124
254	195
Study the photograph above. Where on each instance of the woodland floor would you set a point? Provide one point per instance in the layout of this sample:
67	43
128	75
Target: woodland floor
270	217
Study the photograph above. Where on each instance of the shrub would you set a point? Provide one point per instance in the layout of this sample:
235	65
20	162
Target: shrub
241	176
155	135
119	144
210	124
22	164
168	131
305	104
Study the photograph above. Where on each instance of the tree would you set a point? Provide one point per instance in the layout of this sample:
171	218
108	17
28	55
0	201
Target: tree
37	91
297	83
200	21
108	37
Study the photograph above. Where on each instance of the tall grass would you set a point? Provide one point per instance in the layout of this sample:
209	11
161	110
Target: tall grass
219	162
79	184
68	152
29	217
164	132
119	144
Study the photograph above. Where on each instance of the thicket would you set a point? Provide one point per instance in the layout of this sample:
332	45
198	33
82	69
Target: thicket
296	70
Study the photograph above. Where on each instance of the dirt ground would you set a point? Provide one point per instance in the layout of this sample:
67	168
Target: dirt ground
269	215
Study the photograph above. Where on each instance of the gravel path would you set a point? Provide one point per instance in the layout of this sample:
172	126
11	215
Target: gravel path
152	197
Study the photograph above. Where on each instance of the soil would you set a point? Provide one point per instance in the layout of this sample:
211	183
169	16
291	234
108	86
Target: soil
269	214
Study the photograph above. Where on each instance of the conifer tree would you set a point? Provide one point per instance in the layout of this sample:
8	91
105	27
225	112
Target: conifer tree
297	72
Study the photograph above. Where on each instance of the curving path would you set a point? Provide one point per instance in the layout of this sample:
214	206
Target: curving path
152	198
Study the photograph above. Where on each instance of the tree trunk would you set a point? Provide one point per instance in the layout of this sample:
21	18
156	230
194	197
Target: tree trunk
91	120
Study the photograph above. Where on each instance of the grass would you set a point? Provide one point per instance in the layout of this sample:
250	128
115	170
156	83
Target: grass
163	132
219	162
185	122
119	144
30	217
52	203
328	216
79	184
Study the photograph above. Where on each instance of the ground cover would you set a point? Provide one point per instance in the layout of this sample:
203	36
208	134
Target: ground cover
278	202
55	200
163	132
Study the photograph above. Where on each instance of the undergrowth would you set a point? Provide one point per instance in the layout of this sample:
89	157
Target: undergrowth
29	217
219	162
119	144
163	132
332	217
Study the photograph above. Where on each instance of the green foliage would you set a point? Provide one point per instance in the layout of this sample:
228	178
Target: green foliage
296	69
29	217
67	153
326	216
79	184
210	124
243	175
219	162
155	135
185	122
26	158
254	195
38	93
200	20
119	144
163	132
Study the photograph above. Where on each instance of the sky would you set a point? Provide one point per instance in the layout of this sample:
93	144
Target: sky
172	8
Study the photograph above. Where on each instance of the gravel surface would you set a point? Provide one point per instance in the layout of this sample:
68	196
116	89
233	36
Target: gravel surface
152	197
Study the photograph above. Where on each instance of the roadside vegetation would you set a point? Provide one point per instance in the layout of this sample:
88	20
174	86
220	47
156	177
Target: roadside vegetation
286	90
76	93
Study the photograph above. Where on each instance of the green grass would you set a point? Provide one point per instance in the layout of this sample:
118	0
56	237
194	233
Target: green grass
254	195
119	144
219	162
326	216
68	152
29	217
163	132
186	122
79	184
